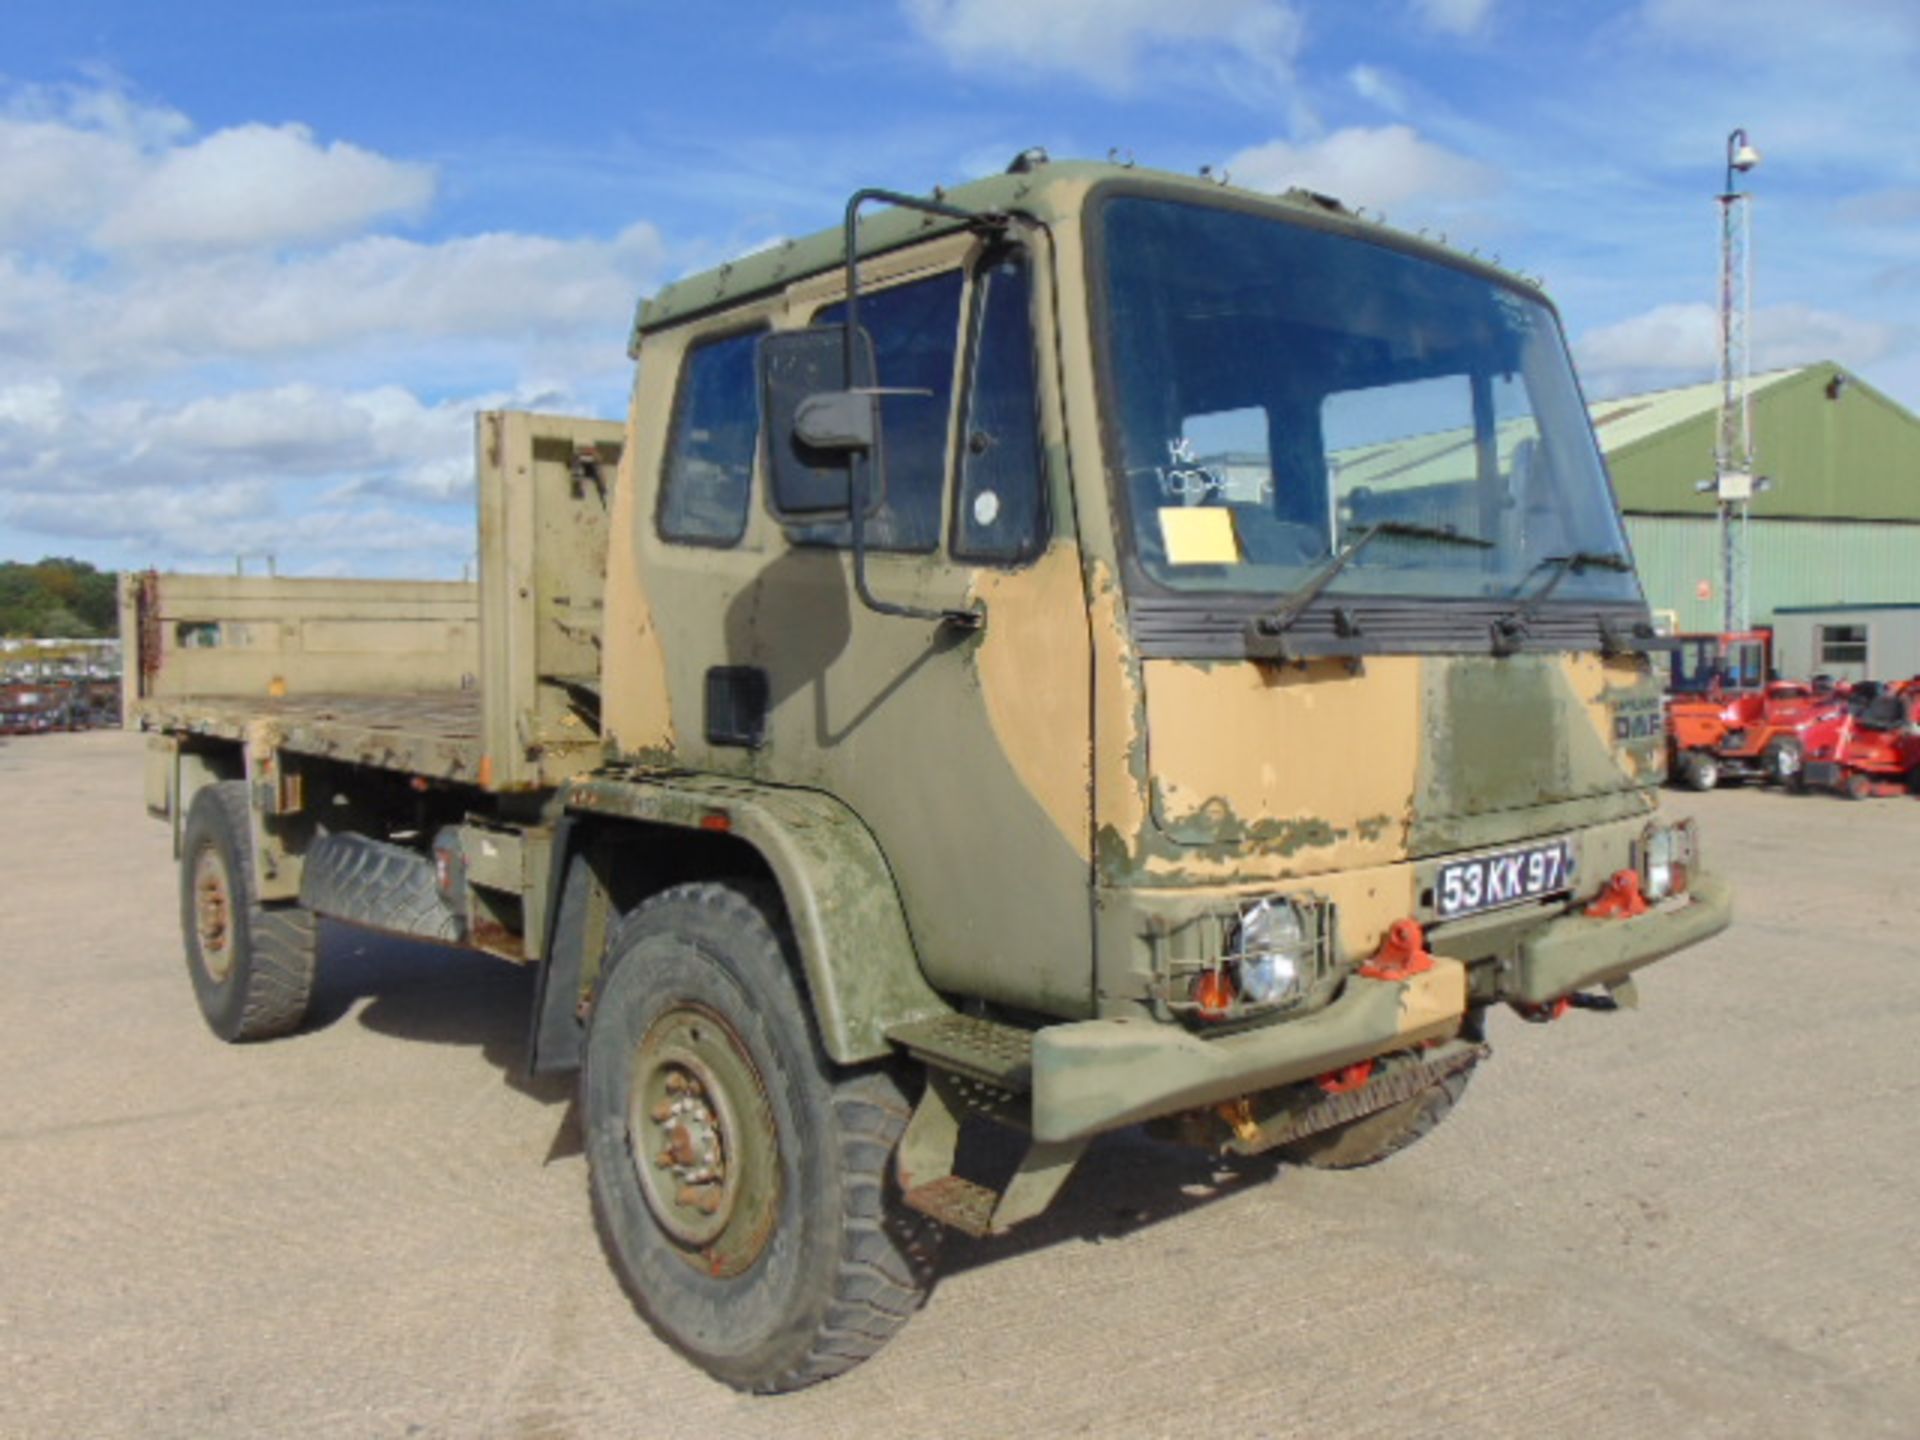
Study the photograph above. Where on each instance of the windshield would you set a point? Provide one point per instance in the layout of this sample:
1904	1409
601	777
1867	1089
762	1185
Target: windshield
1277	390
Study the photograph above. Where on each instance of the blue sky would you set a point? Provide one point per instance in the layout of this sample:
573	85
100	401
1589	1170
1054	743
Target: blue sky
259	263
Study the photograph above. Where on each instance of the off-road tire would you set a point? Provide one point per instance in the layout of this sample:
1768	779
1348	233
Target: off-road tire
370	882
841	1266
257	982
1782	761
1699	770
1372	1138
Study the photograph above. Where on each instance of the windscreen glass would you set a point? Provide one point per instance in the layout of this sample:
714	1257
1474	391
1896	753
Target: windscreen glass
1277	390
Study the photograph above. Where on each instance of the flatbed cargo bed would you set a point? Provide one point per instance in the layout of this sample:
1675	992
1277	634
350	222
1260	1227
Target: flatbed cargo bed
493	684
436	735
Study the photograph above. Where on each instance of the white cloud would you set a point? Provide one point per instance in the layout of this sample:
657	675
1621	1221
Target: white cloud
208	347
134	249
1679	344
1103	41
502	285
1376	167
1455	17
330	480
66	157
210	525
53	439
1378	87
77	161
255	186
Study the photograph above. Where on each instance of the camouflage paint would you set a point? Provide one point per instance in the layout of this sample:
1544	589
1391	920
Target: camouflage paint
967	756
1013	814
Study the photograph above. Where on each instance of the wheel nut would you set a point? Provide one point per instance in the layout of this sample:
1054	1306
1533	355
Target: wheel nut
704	1198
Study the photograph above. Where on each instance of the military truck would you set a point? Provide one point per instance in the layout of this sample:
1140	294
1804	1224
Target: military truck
1090	649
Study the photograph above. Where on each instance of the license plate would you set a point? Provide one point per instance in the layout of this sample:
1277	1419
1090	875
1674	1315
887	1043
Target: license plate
1487	882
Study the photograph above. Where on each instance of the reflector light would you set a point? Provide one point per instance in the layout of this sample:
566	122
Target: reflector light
1213	993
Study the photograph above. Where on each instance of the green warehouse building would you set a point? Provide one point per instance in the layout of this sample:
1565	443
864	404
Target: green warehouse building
1838	526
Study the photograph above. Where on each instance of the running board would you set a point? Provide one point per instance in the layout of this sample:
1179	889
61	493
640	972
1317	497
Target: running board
930	1146
977	1067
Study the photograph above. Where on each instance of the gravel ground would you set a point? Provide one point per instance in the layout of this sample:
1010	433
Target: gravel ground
1694	1219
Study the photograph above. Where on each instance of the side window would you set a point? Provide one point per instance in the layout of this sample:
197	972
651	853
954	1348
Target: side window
710	452
1000	507
915	328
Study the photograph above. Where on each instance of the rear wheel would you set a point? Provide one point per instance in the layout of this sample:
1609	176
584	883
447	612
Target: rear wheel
742	1185
1372	1138
1700	770
252	964
1856	786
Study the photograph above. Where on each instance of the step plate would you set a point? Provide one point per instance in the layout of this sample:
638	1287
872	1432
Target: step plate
1001	1055
954	1202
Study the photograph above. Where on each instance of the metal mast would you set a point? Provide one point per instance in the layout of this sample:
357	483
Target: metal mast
1733	456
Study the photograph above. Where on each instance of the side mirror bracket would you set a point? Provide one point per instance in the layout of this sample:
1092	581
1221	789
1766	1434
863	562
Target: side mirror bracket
822	413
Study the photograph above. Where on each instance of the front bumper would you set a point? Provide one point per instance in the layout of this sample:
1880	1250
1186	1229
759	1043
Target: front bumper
1097	1075
1575	951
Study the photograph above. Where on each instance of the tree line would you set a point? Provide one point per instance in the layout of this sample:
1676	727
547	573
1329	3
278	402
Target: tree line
57	598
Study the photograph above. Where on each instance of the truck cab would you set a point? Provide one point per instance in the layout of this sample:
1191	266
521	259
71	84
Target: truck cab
1292	574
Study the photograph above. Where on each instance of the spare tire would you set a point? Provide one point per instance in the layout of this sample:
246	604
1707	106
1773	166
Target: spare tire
387	887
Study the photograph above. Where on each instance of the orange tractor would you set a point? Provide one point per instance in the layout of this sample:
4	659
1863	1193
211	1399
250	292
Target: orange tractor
1727	720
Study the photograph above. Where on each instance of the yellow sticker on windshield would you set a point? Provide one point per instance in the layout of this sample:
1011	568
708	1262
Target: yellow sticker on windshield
1199	535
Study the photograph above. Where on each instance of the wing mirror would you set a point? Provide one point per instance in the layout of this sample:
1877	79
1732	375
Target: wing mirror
821	424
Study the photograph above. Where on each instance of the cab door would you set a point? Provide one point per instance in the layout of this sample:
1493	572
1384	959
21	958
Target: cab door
965	753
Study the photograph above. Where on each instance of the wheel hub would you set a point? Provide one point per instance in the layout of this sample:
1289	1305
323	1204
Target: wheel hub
213	913
702	1141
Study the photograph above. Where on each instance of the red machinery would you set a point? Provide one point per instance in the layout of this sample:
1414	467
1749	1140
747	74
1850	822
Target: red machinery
1764	736
1871	749
1711	673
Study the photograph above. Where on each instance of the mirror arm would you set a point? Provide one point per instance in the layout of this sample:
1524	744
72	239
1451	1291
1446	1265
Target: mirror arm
988	221
973	619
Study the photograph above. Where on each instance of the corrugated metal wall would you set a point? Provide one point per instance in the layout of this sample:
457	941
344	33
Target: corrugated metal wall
1790	562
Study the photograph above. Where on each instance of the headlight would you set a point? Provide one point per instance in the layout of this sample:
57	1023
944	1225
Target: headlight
1268	949
1666	856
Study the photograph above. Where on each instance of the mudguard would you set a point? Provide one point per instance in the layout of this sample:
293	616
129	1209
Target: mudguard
862	972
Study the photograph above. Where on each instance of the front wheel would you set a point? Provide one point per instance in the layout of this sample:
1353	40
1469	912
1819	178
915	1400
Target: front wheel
742	1185
1700	770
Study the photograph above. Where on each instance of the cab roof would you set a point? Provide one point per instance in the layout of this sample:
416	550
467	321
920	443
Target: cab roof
1044	190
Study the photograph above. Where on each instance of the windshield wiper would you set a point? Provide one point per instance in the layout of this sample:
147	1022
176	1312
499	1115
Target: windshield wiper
1266	634
1510	630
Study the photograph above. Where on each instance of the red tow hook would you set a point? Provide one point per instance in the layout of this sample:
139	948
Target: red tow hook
1347	1078
1621	900
1402	954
